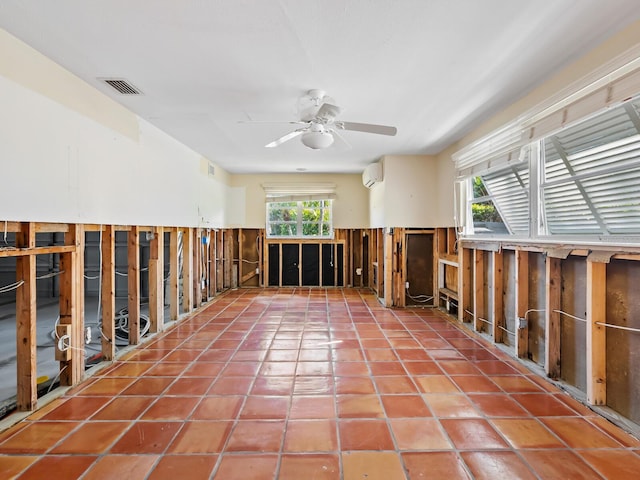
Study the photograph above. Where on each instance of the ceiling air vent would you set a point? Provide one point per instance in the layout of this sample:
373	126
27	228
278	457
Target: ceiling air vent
122	86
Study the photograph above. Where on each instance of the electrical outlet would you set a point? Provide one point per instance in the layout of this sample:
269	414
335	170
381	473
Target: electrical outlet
63	334
521	322
257	271
406	285
87	335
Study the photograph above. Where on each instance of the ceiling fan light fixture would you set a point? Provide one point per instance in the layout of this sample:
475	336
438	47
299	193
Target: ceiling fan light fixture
317	140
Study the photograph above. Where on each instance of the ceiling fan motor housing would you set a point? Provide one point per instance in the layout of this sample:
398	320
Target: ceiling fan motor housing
317	139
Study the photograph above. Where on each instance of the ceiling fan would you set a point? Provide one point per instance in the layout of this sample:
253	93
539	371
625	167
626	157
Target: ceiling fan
319	125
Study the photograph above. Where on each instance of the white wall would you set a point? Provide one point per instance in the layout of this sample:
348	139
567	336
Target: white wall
70	154
446	200
568	79
377	195
350	208
414	192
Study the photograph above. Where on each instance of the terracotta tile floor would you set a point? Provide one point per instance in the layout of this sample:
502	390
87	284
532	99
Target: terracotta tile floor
315	384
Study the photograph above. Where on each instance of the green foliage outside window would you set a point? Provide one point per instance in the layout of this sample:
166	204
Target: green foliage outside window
483	211
299	219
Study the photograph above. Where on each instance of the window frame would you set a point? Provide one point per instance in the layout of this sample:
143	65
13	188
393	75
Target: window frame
299	219
541	213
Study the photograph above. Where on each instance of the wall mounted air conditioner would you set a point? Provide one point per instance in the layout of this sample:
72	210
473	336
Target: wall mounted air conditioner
372	174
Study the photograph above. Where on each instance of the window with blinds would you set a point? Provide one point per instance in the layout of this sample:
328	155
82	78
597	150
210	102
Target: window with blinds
509	190
568	168
591	175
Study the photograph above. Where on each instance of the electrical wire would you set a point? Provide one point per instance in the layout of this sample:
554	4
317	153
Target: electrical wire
419	298
15	285
12	286
506	330
619	327
50	275
56	378
571	316
127	274
526	314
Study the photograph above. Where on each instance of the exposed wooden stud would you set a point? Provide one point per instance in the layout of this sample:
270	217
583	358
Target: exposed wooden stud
522	303
156	281
174	275
219	260
187	270
241	234
388	269
552	362
196	283
349	281
498	295
381	266
80	325
133	281
228	263
596	334
260	243
479	307
465	282
71	305
359	260
108	293
398	267
27	394
212	264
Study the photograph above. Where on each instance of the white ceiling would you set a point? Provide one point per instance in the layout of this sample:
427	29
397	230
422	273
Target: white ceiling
433	68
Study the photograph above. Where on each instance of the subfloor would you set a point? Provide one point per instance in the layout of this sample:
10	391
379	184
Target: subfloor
315	384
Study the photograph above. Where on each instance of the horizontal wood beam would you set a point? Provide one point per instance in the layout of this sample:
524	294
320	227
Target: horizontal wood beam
21	252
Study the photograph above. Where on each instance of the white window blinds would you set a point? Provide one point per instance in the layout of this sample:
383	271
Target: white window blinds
298	192
494	151
509	190
592	175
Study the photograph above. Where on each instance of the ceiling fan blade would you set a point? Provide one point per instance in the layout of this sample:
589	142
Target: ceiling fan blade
328	112
286	138
340	141
276	122
368	128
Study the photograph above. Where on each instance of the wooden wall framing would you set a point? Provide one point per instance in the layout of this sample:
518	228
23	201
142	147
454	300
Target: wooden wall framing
541	268
199	275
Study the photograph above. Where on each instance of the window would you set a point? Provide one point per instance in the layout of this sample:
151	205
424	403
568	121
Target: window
300	219
501	200
486	218
592	173
587	186
580	180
